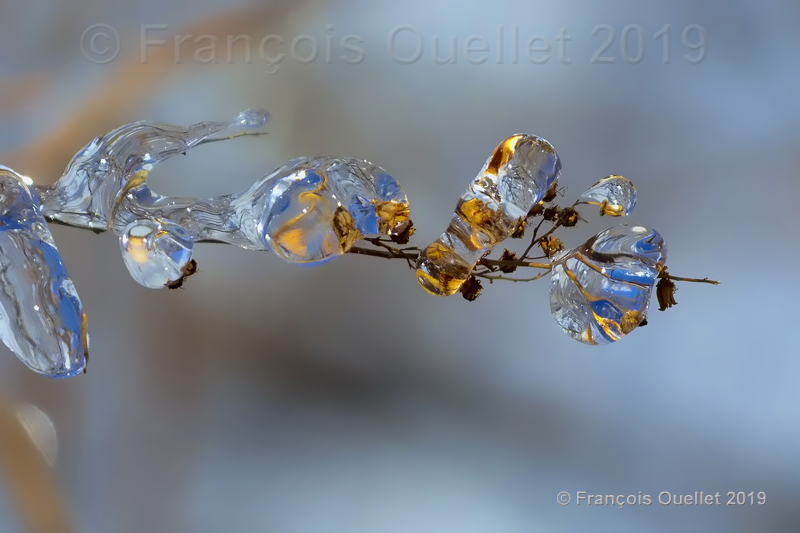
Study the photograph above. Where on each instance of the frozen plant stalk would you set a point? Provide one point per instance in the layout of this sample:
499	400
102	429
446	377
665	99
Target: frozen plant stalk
514	179
308	211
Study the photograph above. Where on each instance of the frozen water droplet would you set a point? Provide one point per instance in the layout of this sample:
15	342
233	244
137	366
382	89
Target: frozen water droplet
253	118
600	291
615	195
155	251
316	208
514	179
41	317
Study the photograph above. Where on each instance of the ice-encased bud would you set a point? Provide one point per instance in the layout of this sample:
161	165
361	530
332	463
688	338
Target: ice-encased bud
41	317
155	251
514	179
615	195
253	118
600	291
316	208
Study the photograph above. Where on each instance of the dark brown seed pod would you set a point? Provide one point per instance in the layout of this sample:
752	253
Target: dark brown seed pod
404	236
471	289
551	245
665	291
508	255
519	229
187	270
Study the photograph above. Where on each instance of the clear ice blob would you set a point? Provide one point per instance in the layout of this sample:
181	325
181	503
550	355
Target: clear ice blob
514	179
98	179
317	208
253	118
155	251
308	211
41	316
615	195
600	291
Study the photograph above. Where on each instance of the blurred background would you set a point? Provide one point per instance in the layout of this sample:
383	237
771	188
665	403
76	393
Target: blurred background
343	398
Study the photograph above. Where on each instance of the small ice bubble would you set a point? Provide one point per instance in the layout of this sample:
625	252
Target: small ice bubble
253	118
615	195
155	252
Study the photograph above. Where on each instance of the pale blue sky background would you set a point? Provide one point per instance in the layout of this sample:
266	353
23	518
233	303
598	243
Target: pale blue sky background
266	397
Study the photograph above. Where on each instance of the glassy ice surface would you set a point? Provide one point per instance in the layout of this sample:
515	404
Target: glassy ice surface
308	211
99	177
316	208
600	291
155	252
615	195
252	118
514	179
41	317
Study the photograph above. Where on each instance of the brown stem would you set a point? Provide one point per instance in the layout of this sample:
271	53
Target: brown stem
411	254
667	275
491	278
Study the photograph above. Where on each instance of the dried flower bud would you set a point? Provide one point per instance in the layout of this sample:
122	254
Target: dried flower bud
344	225
508	255
519	228
551	213
551	193
551	245
187	270
536	210
471	289
404	236
568	217
630	321
665	291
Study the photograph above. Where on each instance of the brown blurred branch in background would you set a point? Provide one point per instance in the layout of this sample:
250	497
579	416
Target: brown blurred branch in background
127	88
29	479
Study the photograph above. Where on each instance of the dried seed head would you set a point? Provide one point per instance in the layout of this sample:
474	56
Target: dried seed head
471	289
551	245
551	193
518	231
568	217
508	255
536	210
344	225
187	270
665	291
404	236
552	213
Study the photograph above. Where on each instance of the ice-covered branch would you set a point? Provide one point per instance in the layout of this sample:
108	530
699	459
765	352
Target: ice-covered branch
310	211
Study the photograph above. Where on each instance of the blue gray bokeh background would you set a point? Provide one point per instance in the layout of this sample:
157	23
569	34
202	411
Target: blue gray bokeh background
266	397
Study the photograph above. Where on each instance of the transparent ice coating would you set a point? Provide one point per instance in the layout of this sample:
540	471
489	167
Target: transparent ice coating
155	251
41	317
514	179
308	211
98	180
615	195
600	291
316	208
